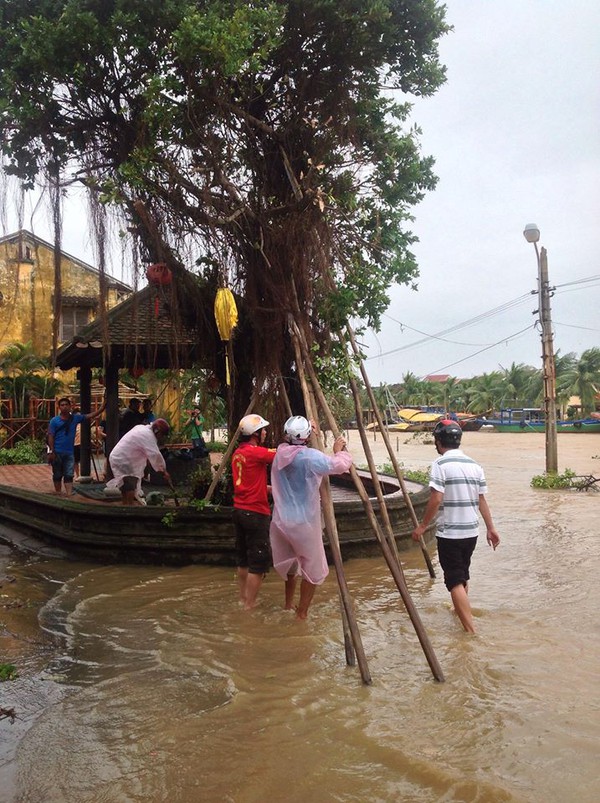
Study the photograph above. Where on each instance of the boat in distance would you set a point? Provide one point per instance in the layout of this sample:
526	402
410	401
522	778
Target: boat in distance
531	419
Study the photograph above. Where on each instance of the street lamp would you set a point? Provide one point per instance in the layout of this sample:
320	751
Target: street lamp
532	235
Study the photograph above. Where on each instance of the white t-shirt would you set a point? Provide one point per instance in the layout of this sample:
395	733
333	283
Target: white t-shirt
461	480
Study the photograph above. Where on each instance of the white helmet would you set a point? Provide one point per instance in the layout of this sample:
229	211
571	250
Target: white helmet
252	423
297	429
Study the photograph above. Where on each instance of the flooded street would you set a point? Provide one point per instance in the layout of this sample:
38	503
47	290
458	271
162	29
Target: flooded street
150	684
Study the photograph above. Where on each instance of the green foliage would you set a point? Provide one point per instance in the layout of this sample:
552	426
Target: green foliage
200	481
552	481
217	446
25	375
517	386
413	474
268	133
26	452
8	672
169	518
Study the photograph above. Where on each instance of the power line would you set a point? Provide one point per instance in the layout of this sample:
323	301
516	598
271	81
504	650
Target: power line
440	335
579	281
487	348
573	326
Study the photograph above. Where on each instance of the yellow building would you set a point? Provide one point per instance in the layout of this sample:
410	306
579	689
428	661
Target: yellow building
28	298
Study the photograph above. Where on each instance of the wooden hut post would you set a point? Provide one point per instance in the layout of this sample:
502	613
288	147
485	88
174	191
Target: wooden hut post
85	396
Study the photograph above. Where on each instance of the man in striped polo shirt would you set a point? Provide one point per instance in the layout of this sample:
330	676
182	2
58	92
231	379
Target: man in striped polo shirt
458	488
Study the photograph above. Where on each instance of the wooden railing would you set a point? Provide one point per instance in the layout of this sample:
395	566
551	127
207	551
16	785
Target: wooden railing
35	425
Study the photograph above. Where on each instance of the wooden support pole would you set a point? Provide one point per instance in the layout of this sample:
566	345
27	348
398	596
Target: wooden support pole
349	623
386	440
393	565
373	469
348	646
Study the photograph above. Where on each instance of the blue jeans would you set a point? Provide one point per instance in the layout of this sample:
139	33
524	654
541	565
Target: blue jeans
63	467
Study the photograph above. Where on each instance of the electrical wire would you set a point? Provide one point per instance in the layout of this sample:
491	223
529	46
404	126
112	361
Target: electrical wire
487	348
440	335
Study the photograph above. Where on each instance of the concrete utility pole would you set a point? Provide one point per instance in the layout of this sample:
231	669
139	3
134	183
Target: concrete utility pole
532	235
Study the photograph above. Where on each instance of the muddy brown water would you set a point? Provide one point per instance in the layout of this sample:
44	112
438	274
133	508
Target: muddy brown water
150	684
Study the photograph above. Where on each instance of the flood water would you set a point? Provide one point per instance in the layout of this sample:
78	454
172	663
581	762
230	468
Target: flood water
150	684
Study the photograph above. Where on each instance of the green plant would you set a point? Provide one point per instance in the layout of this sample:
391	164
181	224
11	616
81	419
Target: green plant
200	482
26	452
413	474
217	446
418	475
169	519
202	504
8	672
550	481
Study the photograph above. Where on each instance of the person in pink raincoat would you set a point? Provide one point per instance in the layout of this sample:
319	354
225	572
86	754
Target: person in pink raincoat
296	529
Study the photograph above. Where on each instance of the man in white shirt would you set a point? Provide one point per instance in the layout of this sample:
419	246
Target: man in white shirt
458	487
129	457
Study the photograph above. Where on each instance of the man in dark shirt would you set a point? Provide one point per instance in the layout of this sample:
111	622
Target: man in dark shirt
130	417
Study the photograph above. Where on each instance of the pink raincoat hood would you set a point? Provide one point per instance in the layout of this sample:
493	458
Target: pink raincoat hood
286	453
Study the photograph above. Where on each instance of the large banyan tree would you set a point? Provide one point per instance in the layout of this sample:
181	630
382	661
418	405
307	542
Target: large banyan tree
262	146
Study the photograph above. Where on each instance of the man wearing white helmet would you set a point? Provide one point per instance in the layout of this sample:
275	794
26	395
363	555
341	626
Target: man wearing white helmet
296	531
252	513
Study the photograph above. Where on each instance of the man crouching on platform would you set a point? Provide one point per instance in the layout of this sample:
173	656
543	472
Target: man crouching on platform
129	457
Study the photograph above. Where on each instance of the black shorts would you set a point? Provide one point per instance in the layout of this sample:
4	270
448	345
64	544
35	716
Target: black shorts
455	559
129	483
252	540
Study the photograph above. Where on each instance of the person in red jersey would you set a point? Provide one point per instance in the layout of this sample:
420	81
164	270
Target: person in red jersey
251	510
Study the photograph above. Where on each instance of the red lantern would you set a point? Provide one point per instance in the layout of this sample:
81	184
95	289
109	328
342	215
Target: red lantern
159	274
213	383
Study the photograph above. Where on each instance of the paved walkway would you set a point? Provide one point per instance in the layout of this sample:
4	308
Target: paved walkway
33	478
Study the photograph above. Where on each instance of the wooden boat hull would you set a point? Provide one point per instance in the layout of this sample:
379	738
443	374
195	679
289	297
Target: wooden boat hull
114	533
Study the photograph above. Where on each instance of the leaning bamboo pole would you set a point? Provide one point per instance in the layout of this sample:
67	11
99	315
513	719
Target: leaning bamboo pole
331	528
388	445
373	470
394	567
348	646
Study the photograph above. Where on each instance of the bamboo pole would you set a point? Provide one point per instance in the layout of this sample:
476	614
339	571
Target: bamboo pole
373	469
331	529
348	647
388	445
394	567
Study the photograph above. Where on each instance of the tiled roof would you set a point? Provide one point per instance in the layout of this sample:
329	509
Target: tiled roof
140	330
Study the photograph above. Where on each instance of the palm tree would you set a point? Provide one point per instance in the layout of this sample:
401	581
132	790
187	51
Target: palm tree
447	394
18	365
413	389
564	368
585	379
486	392
519	381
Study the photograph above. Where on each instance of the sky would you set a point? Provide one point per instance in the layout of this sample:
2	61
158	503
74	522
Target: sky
515	136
